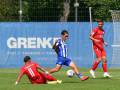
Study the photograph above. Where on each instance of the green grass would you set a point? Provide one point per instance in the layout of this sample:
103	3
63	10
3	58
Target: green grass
8	78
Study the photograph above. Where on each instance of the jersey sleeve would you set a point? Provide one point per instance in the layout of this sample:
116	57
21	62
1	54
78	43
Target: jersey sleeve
36	64
93	32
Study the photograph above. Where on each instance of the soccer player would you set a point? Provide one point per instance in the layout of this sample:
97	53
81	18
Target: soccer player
60	48
31	70
98	46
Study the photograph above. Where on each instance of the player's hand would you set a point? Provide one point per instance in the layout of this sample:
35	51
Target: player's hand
16	83
46	72
105	43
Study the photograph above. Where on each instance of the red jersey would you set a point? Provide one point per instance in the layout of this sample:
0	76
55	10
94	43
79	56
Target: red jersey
98	34
31	71
36	77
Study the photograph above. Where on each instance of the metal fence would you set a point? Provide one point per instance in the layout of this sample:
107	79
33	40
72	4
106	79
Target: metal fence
43	10
54	10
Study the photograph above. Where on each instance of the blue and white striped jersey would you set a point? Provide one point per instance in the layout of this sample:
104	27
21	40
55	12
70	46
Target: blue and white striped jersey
62	48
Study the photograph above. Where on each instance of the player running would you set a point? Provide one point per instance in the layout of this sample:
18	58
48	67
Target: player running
31	70
60	48
98	45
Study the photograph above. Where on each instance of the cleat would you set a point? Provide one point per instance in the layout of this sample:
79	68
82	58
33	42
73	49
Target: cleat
92	73
55	82
83	78
59	81
106	75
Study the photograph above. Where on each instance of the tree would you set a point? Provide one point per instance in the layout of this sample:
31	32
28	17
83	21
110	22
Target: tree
44	10
8	10
101	8
53	10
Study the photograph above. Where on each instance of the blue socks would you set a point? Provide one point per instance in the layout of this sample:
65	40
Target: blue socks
79	75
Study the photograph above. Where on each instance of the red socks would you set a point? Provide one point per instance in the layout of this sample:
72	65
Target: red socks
104	65
95	65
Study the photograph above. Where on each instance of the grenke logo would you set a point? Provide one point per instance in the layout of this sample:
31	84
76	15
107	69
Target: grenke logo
31	42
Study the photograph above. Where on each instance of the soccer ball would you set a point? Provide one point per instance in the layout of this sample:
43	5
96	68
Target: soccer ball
70	73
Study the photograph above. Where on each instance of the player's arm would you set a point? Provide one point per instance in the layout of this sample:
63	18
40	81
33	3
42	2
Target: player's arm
92	36
55	46
93	39
105	43
42	69
19	77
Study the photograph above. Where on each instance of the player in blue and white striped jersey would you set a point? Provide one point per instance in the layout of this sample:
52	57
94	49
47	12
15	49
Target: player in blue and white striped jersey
60	48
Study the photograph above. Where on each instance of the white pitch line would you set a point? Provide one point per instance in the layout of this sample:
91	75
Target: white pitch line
115	45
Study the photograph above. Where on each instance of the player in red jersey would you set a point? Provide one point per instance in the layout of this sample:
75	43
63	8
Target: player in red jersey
31	70
98	46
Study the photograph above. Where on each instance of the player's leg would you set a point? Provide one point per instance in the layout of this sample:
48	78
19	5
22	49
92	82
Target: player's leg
56	69
104	64
98	57
49	77
59	64
75	69
39	80
96	62
104	61
73	66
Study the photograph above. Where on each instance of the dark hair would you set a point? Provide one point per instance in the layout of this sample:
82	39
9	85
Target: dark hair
99	20
63	32
27	58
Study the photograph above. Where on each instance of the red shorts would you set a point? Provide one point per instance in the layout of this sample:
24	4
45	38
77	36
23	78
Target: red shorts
42	79
99	51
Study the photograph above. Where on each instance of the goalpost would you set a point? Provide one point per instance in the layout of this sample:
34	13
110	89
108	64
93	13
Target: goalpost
91	28
116	38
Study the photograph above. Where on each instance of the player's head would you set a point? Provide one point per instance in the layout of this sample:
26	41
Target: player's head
100	23
64	35
27	58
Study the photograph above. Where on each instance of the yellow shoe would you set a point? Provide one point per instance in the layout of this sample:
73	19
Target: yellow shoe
59	81
55	82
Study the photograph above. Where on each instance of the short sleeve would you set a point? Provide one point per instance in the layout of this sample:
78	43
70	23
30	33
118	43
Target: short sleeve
36	65
93	32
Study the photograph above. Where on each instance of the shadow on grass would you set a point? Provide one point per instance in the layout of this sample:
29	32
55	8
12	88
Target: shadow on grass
71	82
25	83
100	78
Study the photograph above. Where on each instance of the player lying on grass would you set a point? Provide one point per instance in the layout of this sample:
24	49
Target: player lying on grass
98	46
31	70
60	48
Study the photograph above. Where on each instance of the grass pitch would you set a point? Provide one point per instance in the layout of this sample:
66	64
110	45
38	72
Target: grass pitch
8	78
